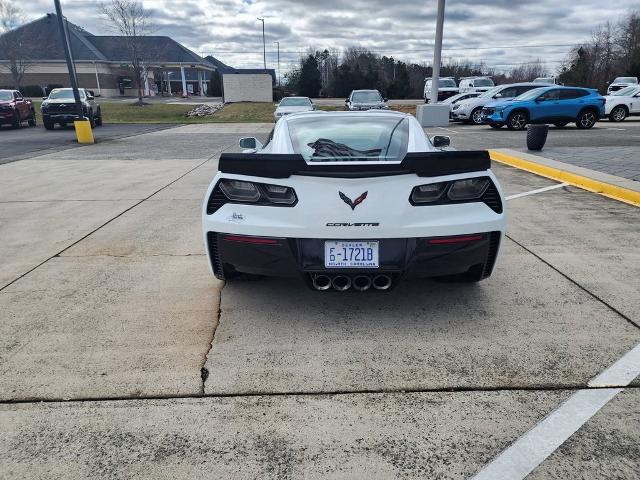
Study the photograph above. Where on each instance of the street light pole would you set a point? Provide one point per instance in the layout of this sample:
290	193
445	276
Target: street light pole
278	43
437	52
264	46
67	53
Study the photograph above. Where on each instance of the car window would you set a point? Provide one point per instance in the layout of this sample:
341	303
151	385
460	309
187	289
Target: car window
350	137
625	91
524	88
550	95
366	97
295	102
17	96
483	82
446	82
64	94
626	80
5	95
570	94
509	92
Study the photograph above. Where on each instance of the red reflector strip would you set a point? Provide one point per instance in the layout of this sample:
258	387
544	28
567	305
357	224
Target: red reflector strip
463	239
253	240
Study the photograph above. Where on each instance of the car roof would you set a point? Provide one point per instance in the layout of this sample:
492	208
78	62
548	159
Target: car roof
364	90
333	113
294	96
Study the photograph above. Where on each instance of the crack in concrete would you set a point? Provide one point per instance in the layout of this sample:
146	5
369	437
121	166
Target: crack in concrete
204	372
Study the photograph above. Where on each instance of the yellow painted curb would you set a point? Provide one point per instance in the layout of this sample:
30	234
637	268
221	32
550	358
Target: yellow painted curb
83	131
607	189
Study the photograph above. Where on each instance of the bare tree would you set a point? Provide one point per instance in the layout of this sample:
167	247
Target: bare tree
131	20
15	50
526	72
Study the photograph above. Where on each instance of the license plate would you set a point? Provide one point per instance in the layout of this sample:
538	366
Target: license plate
348	254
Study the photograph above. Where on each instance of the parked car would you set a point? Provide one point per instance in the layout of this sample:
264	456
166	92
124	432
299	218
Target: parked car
446	88
365	100
322	201
621	82
15	109
451	101
557	105
623	103
293	105
547	80
60	107
470	110
475	84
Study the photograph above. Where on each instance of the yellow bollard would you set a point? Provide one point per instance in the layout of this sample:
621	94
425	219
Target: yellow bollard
83	131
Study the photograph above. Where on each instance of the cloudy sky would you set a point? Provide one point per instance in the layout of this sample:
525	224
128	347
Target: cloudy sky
496	32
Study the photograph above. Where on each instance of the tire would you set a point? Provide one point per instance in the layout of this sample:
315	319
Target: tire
495	125
517	120
476	116
586	119
92	120
618	114
32	120
99	119
48	125
536	136
17	121
561	124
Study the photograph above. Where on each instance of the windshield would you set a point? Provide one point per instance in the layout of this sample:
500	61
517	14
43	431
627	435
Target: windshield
543	80
483	82
531	94
350	137
491	92
295	102
64	94
626	80
366	97
6	96
626	91
446	82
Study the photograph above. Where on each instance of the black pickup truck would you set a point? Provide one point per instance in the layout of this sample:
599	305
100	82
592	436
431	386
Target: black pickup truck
60	108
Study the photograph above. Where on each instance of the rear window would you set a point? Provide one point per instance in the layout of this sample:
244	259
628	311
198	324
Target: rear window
366	97
350	137
483	82
295	102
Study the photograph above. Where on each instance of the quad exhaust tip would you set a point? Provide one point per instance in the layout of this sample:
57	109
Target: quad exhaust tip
362	283
321	282
341	283
382	282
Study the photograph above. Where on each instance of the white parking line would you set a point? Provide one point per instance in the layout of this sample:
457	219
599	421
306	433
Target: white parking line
531	449
538	190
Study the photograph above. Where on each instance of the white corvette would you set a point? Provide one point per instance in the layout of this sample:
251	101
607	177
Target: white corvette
353	200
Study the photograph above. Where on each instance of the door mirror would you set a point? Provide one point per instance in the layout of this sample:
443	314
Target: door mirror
250	143
497	95
385	100
346	101
89	97
45	98
440	141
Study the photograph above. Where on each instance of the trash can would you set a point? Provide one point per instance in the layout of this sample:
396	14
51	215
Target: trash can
537	136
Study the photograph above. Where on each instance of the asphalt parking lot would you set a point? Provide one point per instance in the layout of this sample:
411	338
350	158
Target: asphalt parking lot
122	356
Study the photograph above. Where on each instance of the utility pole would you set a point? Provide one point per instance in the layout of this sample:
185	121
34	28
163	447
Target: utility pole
264	46
278	43
67	53
437	52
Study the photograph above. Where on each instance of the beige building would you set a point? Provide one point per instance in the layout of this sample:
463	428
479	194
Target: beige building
102	64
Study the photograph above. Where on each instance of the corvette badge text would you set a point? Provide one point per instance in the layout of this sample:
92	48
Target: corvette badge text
364	224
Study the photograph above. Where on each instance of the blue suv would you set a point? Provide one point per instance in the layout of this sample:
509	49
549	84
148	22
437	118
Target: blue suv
557	105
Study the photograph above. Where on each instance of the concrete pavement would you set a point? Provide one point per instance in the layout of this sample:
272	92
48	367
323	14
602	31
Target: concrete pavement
107	301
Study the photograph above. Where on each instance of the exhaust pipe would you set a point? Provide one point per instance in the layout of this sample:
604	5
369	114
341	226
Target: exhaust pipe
321	282
341	283
362	283
381	282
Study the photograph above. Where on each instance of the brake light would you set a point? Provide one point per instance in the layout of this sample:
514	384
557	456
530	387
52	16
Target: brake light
458	239
252	240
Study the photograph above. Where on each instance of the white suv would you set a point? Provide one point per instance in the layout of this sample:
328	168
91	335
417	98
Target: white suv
446	88
623	103
475	84
621	82
470	111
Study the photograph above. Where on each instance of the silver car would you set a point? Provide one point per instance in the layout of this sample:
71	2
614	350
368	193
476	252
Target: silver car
365	100
293	105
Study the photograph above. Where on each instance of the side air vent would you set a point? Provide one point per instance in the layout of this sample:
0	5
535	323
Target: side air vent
494	243
216	200
214	254
492	198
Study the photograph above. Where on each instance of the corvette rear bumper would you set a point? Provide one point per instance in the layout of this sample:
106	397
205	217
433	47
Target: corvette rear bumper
398	257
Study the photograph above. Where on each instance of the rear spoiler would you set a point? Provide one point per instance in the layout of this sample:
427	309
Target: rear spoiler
423	164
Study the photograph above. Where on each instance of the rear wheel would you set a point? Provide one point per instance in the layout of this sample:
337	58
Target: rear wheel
48	125
476	116
586	119
561	124
92	120
618	114
99	119
32	120
517	120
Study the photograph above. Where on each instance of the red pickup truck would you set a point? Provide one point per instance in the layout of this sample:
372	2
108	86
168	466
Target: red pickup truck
15	109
